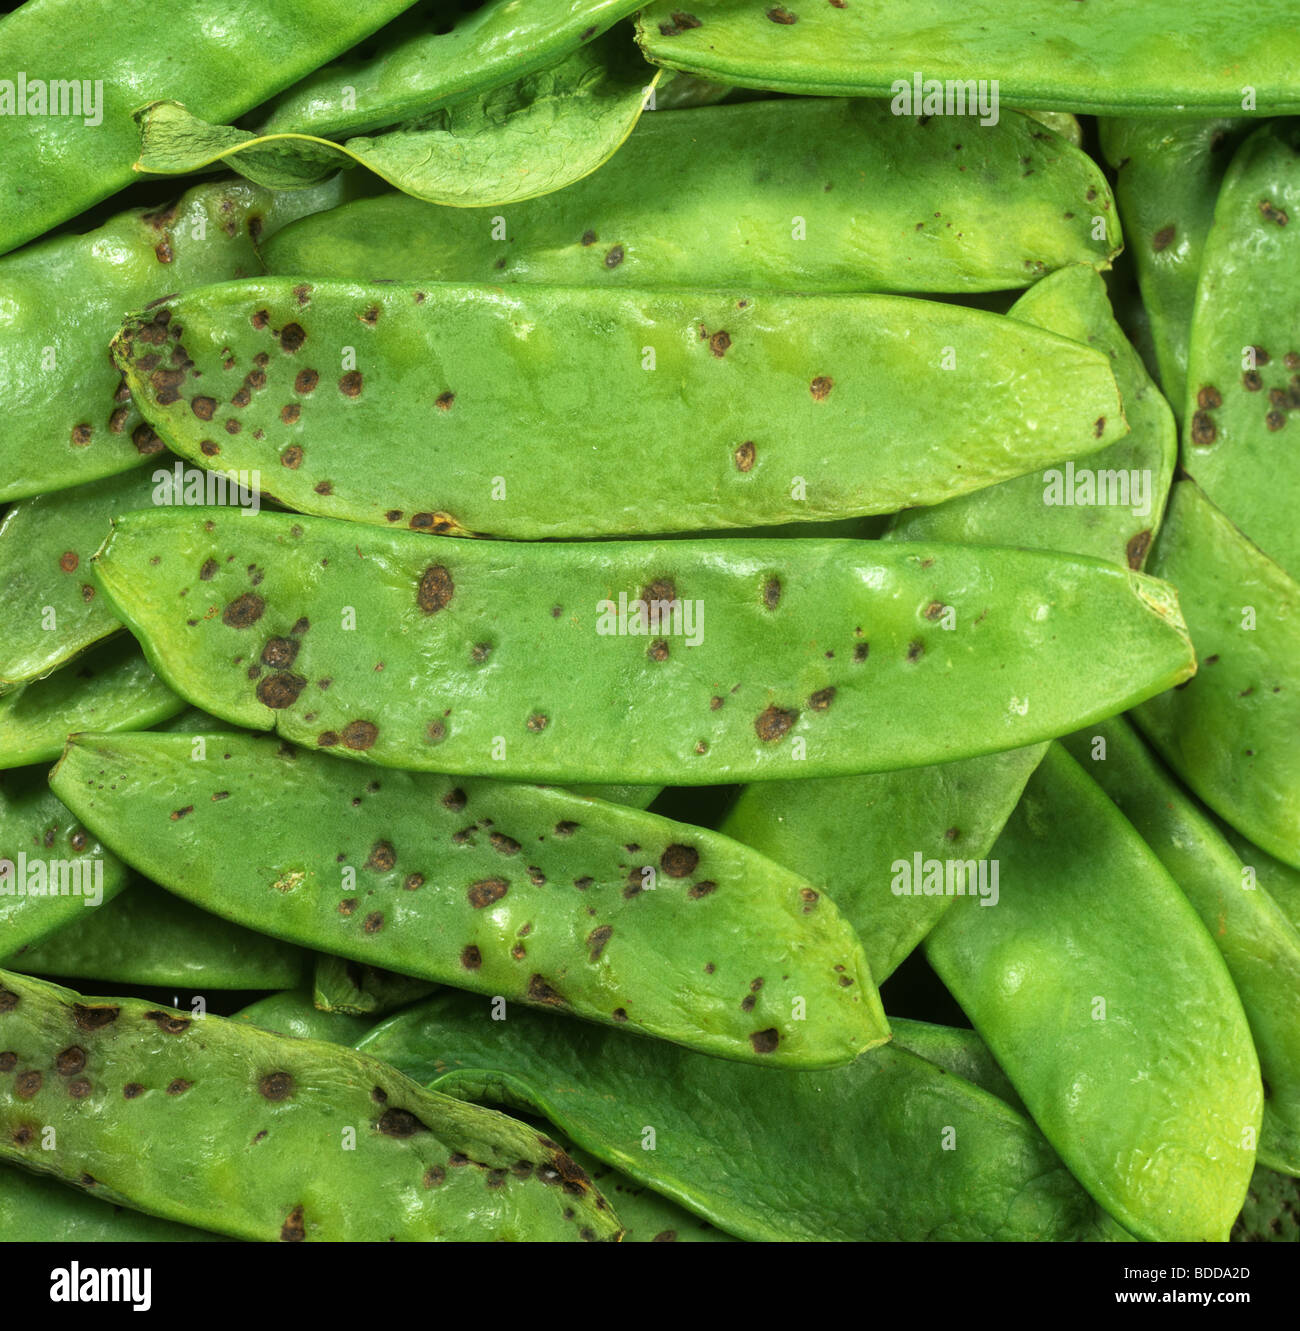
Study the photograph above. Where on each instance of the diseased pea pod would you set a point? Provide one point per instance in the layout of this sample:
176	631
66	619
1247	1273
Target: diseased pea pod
1231	733
1102	997
259	1130
1243	369
220	61
851	1154
1108	505
51	869
355	989
815	195
111	688
1259	944
1109	56
530	893
145	936
769	408
815	658
1167	176
531	137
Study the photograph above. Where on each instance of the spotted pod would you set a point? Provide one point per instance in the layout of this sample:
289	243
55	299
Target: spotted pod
1259	944
882	844
814	404
1167	177
263	1137
1103	998
146	936
530	137
526	893
292	1012
1108	505
221	65
1231	733
816	195
111	688
355	989
1105	57
1243	372
817	658
851	1154
52	871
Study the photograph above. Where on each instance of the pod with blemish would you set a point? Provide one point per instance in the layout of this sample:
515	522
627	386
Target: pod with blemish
263	1137
532	894
683	662
1104	1000
764	409
1231	732
1101	58
812	195
356	989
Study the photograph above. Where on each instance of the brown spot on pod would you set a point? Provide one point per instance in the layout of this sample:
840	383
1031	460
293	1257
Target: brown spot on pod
179	1086
400	1123
487	892
566	828
203	407
167	1022
1137	547
413	882
1270	212
434	1176
539	991
820	388
360	734
470	957
209	570
131	1090
915	650
26	1084
538	722
260	318
177	814
772	723
69	560
382	857
745	456
822	699
772	593
302	293
679	861
1209	397
504	845
720	343
765	1042
809	898
327	739
146	442
8	1059
289	414
243	611
292	336
436	589
658	650
305	381
1163	238
89	1018
454	800
373	922
350	384
779	14
597	939
444	400
747	1003
614	256
281	690
293	1230
241	398
1275	420
702	889
81	435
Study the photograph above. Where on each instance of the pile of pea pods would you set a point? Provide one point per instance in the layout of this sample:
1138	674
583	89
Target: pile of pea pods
650	623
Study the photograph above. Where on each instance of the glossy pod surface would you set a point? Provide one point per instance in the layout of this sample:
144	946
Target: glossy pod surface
451	408
256	1125
464	653
531	893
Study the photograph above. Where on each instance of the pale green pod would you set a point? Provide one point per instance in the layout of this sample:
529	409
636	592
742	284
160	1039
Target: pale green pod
529	893
765	408
1258	942
1243	372
1107	1005
355	989
292	1012
1231	732
808	658
799	195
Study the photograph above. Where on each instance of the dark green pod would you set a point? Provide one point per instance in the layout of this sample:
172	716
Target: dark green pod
1272	1210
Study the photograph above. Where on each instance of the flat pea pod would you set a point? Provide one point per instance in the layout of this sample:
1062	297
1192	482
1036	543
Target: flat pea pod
145	936
51	869
221	62
355	989
248	1119
531	137
1110	56
813	195
958	1051
867	840
293	1013
1167	177
1231	733
1103	998
1280	881
852	1154
815	404
1108	505
524	892
488	638
111	688
1258	942
69	418
1243	367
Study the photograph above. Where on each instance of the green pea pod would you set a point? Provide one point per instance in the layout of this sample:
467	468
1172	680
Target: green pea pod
1231	733
1060	122
1243	370
814	404
815	195
266	1137
1259	944
528	138
1167	177
51	869
868	840
1102	997
958	1051
292	1012
888	1148
80	146
355	989
1108	506
529	893
1280	881
145	936
483	643
1107	56
112	688
1272	1210
678	91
